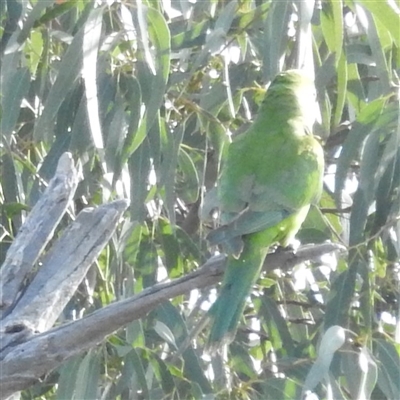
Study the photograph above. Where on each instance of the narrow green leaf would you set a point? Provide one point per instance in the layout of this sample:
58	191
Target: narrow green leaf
241	361
275	37
81	139
341	90
253	17
35	48
13	90
136	364
68	378
163	374
68	74
86	385
333	338
131	90
144	32
337	8
188	185
193	36
171	144
332	26
193	370
172	254
353	143
54	12
382	86
365	193
341	294
12	10
388	181
90	48
23	31
13	209
146	262
216	38
355	91
226	16
165	333
11	185
277	326
387	15
131	236
154	81
58	147
389	367
135	334
139	170
115	138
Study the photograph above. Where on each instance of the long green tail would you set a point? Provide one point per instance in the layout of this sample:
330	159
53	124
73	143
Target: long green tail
239	278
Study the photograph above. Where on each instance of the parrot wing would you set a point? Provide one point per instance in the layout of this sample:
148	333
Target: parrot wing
245	222
264	197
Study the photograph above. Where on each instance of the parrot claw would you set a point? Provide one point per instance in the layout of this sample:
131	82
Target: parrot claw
290	247
234	247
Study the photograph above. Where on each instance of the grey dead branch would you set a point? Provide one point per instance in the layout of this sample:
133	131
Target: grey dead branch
31	302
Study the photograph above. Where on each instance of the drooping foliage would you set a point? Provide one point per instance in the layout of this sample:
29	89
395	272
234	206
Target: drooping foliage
145	94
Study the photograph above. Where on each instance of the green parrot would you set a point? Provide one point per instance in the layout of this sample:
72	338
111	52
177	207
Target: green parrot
273	172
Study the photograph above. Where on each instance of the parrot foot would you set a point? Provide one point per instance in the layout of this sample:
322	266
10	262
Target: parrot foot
291	248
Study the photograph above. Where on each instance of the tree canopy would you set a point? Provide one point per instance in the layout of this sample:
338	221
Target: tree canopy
144	96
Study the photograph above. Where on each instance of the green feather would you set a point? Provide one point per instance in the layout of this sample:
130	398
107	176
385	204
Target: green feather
271	175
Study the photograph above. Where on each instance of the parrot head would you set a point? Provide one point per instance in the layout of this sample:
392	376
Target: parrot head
294	88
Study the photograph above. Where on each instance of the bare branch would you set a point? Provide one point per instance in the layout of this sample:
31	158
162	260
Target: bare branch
65	267
22	365
36	232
